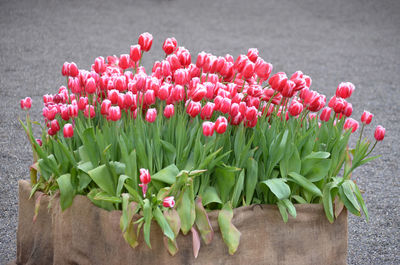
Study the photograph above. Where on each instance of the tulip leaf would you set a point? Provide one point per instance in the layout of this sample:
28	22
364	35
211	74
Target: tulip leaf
67	192
278	187
106	205
195	241
162	222
230	234
251	179
225	178
103	178
211	196
167	174
203	223
237	191
304	183
186	210
147	221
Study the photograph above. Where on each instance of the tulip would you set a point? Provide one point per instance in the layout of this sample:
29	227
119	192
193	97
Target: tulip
114	113
145	41
339	105
135	53
112	95
220	125
278	81
169	202
149	97
151	115
193	109
178	93
26	103
199	93
68	130
252	54
73	109
251	113
64	69
65	113
55	126
90	86
379	133
295	108
240	62
82	103
99	65
351	124
174	62
225	106
288	89
89	109
248	70
120	83
169	111
145	177
344	90
208	128
348	110
124	61
40	143
366	117
180	77
169	45
207	111
163	92
105	106
201	57
262	69
325	114
73	70
184	56
166	68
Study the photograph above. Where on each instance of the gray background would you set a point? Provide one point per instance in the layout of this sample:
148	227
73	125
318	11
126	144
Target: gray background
332	41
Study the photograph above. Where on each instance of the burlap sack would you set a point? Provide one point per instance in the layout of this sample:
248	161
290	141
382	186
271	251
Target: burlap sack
85	234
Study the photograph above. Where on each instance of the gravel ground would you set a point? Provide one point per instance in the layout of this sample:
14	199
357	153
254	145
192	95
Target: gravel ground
332	41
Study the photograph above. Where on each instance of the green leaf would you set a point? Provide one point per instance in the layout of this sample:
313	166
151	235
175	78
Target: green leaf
327	200
317	155
186	210
101	204
90	143
147	221
315	169
290	207
169	151
203	223
103	178
118	167
167	174
103	196
211	196
67	192
251	179
162	222
278	187
121	182
348	191
237	191
283	211
304	183
225	181
357	192
230	234
299	199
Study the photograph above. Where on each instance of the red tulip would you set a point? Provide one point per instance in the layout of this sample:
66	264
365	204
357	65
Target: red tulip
325	114
135	53
169	111
112	95
124	61
145	41
90	86
55	126
207	111
68	130
339	105
89	109
193	109
248	70
73	109
288	89
251	113
149	97
201	57
26	103
145	177
208	128
114	113
65	112
199	93
169	202
64	69
82	103
366	117
220	125
344	90
350	124
278	81
252	54
262	69
174	62
105	106
181	77
295	108
225	106
151	115
379	133
40	143
73	70
178	93
347	110
169	45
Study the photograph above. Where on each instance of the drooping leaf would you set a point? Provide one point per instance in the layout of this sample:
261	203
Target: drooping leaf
278	187
103	178
211	196
304	183
186	210
230	234
237	191
203	223
148	215
67	192
195	242
167	174
162	222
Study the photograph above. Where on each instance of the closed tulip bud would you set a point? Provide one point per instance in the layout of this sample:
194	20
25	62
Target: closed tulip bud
135	53
234	109
308	80
145	177
339	105
55	126
252	54
278	81
68	130
40	143
114	113
166	68
288	89
129	100
124	61
199	93
350	124
121	100
64	69
65	113
225	106
105	106
112	95
251	113
208	128
180	77
82	103
178	93
325	114
332	102
201	57
295	108
145	41
236	120
366	117
169	45
99	65
90	86
248	70
240	62
163	92
73	109
184	56
344	90
169	202
89	112
347	110
262	69
174	62
220	64
207	111
220	125
26	103
50	113
73	70
149	97
151	115
169	111
379	133
193	109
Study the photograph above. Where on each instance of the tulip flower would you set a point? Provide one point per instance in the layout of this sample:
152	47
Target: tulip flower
220	125
208	128
149	97
145	41
199	93
55	126
262	69
366	117
151	115
207	111
350	124
99	65
124	61
114	113
225	105
68	130
145	179
344	90
89	111
73	70
90	86
26	103
347	110
169	202
64	69
193	109
252	54
169	45
379	133
135	53
40	143
169	111
325	114
295	108
105	106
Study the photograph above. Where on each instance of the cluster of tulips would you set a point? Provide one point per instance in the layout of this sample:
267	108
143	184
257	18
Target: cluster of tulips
215	134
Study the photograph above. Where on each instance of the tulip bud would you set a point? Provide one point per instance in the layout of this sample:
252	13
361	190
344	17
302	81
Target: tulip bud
82	103
26	103
193	109
114	113
55	126
145	41
64	69
135	53
90	86
262	69
169	45
68	130
344	90
169	111
145	177
113	96
350	124
288	89
347	110
40	143
220	125
379	133
366	117
89	111
65	112
325	114
73	70
208	128
251	113
278	81
295	108
151	115
199	93
180	77
124	61
105	106
149	97
178	93
207	111
248	70
201	59
99	65
252	54
225	106
169	202
339	105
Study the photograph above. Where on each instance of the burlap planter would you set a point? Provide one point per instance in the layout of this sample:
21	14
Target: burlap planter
85	234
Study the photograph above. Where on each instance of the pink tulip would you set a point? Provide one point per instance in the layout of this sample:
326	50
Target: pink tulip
208	128
105	106
169	111
40	143
73	70
295	108
251	113
366	117
90	86
350	124
262	69
145	41
112	95
347	110
145	177
124	61
114	113
26	103
169	45
344	90
82	103
149	97
252	54
278	81
207	111
169	202
339	106
225	106
379	133
68	130
220	125
178	93
55	126
64	69
151	115
65	112
135	53
99	65
248	70
199	93
89	109
193	109
181	77
325	114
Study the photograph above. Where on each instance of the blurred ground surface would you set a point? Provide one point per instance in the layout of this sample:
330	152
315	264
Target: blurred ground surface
332	41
